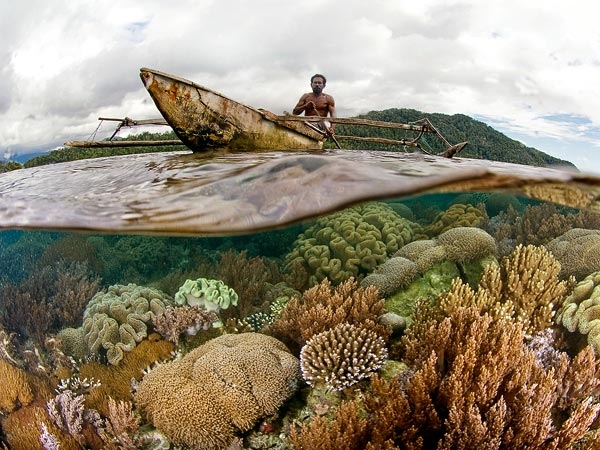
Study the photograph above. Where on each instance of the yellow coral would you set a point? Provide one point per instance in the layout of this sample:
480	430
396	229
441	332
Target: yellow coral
578	251
16	390
457	215
581	310
224	386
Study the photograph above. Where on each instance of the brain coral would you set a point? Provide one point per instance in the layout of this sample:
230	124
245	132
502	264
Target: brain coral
116	320
342	356
218	389
350	242
578	251
457	215
581	310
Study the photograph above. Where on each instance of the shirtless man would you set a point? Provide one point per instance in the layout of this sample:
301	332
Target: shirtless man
316	103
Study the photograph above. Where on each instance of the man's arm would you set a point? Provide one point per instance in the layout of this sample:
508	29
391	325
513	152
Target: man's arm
300	106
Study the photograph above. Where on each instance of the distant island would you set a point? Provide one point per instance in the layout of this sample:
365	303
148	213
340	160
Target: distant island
484	141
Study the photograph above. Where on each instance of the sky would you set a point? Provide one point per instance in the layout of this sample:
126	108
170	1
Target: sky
530	69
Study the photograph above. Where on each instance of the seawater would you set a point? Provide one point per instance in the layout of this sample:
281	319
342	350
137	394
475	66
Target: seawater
155	220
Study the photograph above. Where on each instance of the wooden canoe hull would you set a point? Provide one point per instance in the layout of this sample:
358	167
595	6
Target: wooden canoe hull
204	119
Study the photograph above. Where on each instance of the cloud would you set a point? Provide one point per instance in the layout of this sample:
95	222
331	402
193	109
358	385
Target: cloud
518	65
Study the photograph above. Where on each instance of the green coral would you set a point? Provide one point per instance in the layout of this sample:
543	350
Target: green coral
212	295
350	243
116	320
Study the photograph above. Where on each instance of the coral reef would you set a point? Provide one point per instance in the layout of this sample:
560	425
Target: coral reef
218	389
580	311
471	383
578	251
323	307
116	320
458	215
349	243
342	356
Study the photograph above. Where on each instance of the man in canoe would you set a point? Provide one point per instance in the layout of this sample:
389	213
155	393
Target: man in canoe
316	103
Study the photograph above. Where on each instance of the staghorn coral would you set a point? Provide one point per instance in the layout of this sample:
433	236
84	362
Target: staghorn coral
67	411
176	320
471	383
116	320
218	389
524	286
580	311
349	243
325	306
578	251
342	356
458	215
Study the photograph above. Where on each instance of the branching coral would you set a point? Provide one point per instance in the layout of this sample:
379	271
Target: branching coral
218	389
342	356
16	390
525	286
323	307
471	383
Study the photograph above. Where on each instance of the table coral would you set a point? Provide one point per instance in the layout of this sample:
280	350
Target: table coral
218	389
116	320
350	243
578	251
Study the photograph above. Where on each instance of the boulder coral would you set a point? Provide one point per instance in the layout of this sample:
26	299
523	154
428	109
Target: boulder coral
459	245
350	243
578	251
581	310
218	389
116	320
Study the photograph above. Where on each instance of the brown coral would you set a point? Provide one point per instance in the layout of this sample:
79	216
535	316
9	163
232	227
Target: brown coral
16	390
458	215
578	251
323	307
342	356
220	388
176	320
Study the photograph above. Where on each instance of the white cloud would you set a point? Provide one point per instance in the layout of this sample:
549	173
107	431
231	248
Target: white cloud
65	63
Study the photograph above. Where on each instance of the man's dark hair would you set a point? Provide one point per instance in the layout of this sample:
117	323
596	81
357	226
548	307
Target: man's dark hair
318	75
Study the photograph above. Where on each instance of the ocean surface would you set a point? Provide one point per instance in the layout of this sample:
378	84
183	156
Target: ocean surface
93	251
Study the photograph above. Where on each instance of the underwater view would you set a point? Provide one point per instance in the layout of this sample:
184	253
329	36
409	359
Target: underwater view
315	301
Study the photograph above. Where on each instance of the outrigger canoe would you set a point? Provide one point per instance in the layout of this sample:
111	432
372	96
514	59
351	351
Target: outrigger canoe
204	120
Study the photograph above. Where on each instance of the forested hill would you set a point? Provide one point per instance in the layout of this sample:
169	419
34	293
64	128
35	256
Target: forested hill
484	141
